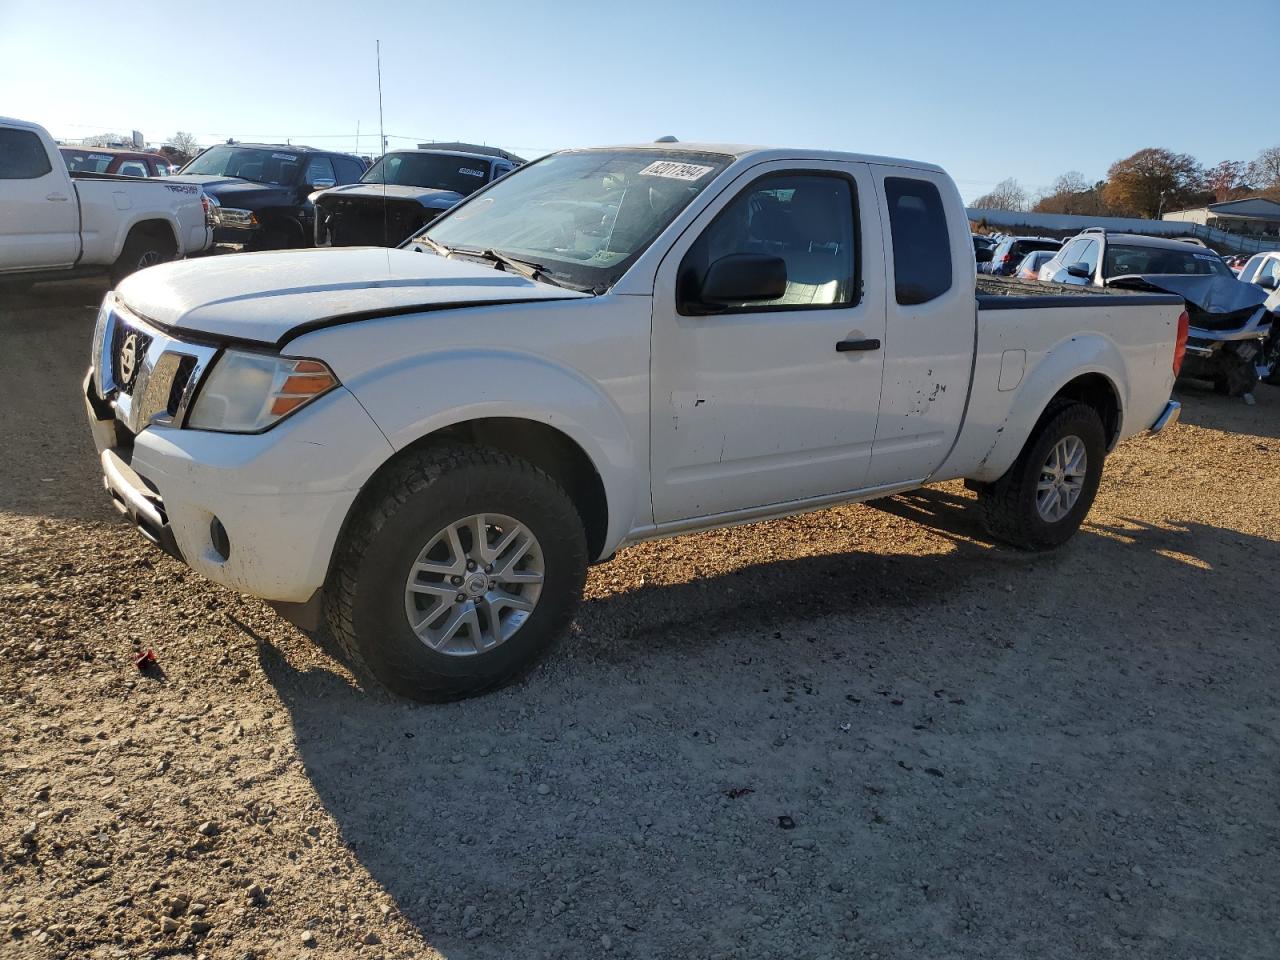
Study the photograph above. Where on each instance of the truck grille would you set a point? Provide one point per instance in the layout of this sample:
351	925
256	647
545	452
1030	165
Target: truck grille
147	375
358	222
126	375
181	377
1219	321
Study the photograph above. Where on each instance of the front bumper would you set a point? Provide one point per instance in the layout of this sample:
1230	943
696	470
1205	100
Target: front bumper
235	234
281	496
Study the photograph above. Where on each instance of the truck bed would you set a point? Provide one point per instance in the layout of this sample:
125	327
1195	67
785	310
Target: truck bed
1010	293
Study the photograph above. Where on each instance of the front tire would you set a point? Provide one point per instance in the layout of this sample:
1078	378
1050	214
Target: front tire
1239	377
1043	498
462	567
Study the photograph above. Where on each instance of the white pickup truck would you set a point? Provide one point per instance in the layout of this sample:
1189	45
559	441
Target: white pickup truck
430	444
54	223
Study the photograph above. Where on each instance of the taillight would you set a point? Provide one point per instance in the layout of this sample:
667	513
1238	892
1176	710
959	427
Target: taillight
1006	258
1180	346
208	210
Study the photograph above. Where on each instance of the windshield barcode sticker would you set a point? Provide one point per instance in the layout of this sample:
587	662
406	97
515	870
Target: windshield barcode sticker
471	171
674	170
284	156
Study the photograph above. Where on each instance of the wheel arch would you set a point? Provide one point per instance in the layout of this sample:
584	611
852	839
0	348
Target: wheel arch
160	228
1086	369
551	450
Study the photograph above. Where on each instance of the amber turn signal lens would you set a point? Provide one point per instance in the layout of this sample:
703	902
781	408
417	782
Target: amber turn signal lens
282	405
307	384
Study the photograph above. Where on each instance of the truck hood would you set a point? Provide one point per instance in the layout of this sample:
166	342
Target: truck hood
271	297
1208	292
427	196
234	192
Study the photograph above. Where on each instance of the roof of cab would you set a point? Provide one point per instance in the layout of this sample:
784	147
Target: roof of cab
738	151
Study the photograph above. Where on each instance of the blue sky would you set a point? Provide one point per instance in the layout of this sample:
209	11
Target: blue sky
989	90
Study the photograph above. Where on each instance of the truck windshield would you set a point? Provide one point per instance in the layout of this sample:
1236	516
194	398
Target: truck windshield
584	215
275	165
437	171
1124	260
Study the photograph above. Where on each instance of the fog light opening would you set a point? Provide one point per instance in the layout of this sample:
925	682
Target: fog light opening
218	536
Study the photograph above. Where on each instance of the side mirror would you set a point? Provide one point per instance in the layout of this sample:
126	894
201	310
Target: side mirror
743	278
1267	283
1079	270
323	183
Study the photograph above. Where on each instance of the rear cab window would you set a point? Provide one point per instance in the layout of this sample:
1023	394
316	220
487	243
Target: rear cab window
921	243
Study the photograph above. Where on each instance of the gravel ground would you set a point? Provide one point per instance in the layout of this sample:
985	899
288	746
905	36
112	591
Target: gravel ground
867	732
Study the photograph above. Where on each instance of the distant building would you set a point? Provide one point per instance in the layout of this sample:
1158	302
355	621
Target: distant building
1255	216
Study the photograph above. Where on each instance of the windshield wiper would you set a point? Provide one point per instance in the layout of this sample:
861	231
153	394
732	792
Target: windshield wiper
526	268
435	245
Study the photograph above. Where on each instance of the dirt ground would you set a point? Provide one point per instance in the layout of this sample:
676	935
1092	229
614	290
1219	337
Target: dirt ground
867	732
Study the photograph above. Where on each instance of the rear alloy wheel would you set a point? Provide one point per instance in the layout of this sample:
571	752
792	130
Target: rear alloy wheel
460	568
1044	497
1062	479
140	251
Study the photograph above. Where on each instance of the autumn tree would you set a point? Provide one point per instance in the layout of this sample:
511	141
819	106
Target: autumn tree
1006	195
1229	180
1152	181
1072	193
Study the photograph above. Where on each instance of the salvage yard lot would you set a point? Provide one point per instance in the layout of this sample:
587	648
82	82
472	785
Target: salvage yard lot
863	732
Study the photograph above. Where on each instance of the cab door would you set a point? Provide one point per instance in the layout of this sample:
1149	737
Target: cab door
764	401
40	228
931	320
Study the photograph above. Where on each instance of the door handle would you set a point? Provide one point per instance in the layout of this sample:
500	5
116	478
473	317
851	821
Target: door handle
847	346
57	197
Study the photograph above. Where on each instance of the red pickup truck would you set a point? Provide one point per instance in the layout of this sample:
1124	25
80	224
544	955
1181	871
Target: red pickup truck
126	163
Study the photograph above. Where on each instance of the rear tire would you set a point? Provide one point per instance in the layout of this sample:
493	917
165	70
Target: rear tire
386	571
1020	507
142	250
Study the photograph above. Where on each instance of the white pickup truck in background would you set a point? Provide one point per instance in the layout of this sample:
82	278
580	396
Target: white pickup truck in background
431	444
54	223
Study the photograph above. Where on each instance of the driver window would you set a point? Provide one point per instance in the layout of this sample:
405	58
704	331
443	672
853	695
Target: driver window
806	220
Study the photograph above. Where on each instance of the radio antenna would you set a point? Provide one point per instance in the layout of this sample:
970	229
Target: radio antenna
382	137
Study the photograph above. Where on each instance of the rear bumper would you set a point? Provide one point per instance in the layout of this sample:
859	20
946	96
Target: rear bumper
1172	412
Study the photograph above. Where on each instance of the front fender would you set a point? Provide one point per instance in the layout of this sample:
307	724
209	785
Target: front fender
1059	365
418	396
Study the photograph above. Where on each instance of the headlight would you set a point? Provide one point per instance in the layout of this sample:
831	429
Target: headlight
234	217
248	392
